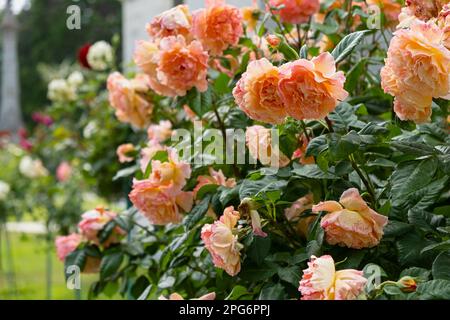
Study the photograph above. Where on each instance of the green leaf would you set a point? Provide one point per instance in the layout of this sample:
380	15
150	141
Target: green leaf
434	290
166	282
221	84
110	264
413	148
75	258
126	172
425	220
415	272
441	266
272	292
343	117
198	212
252	188
442	246
340	147
237	293
396	228
288	52
409	248
259	249
206	189
140	286
317	145
348	44
258	273
290	275
312	171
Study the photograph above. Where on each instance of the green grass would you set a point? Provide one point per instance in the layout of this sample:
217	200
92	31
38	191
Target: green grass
29	255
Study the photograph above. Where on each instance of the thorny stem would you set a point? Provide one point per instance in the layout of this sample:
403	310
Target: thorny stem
329	124
366	181
305	131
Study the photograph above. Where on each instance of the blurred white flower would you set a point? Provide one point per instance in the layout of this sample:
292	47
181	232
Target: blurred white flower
4	190
100	56
59	90
31	168
75	79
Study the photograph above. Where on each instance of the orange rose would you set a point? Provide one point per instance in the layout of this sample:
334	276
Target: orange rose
425	9
390	8
218	26
257	95
311	89
123	152
173	66
215	177
173	22
295	11
417	70
350	222
129	99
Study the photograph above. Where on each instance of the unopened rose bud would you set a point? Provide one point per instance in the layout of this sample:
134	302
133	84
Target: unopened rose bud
407	284
273	40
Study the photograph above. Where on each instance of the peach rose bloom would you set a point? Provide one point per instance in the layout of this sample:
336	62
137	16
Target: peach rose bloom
94	221
425	9
129	99
176	296
217	26
311	89
214	177
222	243
64	171
350	222
259	143
160	132
174	67
417	70
172	173
122	152
294	212
390	8
444	24
257	95
321	281
296	11
159	204
66	245
173	22
300	152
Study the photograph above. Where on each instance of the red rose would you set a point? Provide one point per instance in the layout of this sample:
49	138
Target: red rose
82	55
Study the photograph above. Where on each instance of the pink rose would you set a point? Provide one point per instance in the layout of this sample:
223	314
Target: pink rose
296	11
350	222
123	152
425	9
149	152
259	143
294	212
66	245
218	26
417	70
173	22
222	243
256	93
94	221
215	177
174	67
63	172
301	151
160	132
311	89
321	281
129	99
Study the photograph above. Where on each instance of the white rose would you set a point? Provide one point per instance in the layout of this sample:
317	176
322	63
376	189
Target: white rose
100	56
4	190
75	79
60	90
32	168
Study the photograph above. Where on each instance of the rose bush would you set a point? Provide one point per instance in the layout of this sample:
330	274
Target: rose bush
338	178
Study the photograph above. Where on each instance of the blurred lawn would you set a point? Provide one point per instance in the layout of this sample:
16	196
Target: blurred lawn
29	256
